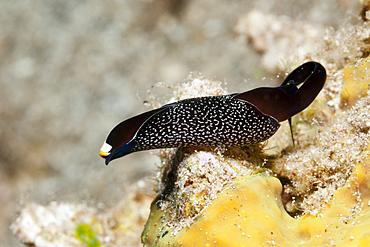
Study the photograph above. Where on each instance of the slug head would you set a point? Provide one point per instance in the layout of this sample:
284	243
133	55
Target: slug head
120	140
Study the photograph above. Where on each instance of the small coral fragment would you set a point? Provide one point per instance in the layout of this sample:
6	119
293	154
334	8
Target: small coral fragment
76	224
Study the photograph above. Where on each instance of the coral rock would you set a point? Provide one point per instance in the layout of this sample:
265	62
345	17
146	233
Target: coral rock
249	212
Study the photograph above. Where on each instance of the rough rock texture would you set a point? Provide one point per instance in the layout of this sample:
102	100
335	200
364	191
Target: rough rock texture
250	212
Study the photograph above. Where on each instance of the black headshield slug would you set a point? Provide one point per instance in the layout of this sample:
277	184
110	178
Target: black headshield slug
228	120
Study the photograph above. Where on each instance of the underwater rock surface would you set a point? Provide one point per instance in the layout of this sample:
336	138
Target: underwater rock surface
250	212
78	224
314	195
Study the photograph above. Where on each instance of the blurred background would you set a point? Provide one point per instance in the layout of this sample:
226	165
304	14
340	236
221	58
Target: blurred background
71	70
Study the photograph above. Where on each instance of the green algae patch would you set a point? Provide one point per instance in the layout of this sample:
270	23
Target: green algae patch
86	235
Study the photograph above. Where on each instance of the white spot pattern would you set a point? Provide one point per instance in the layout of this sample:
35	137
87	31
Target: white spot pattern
206	121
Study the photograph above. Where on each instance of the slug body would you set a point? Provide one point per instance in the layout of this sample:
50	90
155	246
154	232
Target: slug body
228	120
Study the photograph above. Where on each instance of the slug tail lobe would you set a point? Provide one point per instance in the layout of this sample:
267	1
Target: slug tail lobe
287	100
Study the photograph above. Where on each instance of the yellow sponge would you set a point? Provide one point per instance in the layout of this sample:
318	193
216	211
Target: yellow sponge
249	212
356	79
